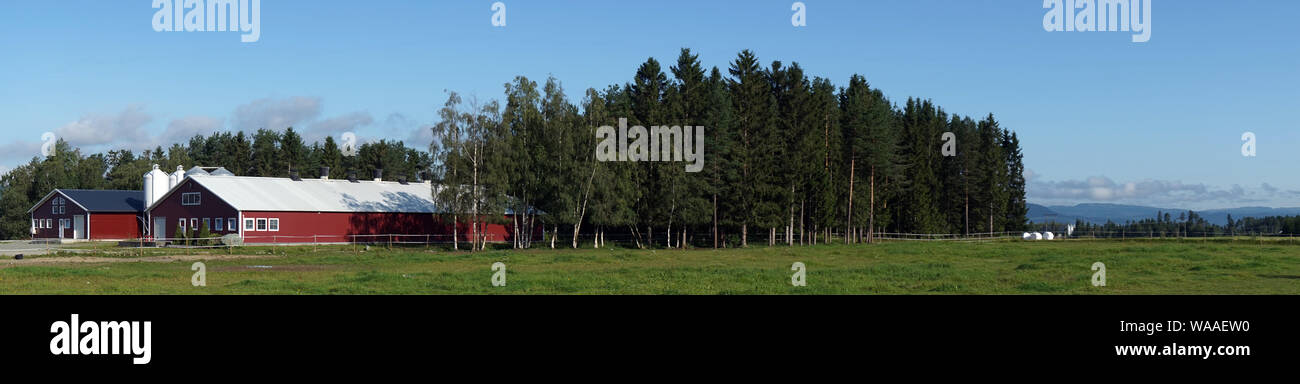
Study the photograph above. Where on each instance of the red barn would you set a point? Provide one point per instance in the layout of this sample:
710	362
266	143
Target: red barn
283	210
79	214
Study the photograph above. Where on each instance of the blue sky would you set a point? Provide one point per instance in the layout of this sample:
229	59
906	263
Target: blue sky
1101	119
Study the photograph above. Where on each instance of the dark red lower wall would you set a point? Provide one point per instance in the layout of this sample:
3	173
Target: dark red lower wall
336	227
114	226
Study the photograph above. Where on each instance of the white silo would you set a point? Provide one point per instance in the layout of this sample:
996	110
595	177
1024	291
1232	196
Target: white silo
148	186
155	185
175	178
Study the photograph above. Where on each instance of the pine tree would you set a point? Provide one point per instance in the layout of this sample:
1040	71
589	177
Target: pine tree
1017	208
825	142
752	102
690	106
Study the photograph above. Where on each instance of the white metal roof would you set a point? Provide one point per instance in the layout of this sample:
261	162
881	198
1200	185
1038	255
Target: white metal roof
316	195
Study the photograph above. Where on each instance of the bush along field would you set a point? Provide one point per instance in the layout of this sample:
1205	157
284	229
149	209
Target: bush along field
1060	267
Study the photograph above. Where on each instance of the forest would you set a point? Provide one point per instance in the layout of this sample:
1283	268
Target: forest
790	159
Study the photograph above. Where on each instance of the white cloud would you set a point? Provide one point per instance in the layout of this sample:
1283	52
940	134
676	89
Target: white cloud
276	114
1101	189
412	133
182	129
124	128
336	126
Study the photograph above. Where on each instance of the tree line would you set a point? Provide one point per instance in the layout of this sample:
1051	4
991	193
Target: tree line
788	158
266	153
1186	224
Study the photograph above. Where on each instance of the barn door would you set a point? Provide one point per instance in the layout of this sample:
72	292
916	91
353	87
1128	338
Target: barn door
159	228
79	227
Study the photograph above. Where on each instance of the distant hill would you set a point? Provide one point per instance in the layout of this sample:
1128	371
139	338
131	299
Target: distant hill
1099	213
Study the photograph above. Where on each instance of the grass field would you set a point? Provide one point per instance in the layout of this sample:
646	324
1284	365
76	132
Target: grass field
1060	267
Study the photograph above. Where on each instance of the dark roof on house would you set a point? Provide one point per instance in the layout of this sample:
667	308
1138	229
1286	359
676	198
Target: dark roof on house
102	201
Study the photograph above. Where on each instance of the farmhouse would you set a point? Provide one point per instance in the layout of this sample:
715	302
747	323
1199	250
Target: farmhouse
296	210
78	214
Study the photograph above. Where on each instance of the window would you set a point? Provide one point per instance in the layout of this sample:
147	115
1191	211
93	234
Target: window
194	223
248	224
65	223
230	224
221	224
190	198
207	223
274	224
181	224
54	209
49	223
261	224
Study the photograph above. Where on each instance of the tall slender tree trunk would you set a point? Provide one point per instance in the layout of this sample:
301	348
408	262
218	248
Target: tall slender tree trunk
715	221
967	221
871	216
801	221
744	235
848	224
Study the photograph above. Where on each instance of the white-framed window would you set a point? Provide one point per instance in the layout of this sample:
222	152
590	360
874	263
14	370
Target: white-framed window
65	223
230	224
190	198
54	209
181	224
261	224
273	224
194	223
220	225
207	223
49	223
248	224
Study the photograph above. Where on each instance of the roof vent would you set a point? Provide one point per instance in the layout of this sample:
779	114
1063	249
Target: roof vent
294	176
352	176
401	180
324	173
379	174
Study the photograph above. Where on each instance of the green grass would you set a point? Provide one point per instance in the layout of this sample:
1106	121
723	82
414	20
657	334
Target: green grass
1132	267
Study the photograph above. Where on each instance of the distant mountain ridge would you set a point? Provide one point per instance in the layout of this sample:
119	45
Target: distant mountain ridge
1099	213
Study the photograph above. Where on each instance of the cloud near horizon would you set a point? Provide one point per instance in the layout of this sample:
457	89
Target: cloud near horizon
1101	189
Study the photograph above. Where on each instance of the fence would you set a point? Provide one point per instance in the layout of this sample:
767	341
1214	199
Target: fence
694	239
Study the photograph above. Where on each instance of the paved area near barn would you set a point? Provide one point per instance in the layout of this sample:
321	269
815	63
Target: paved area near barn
13	247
